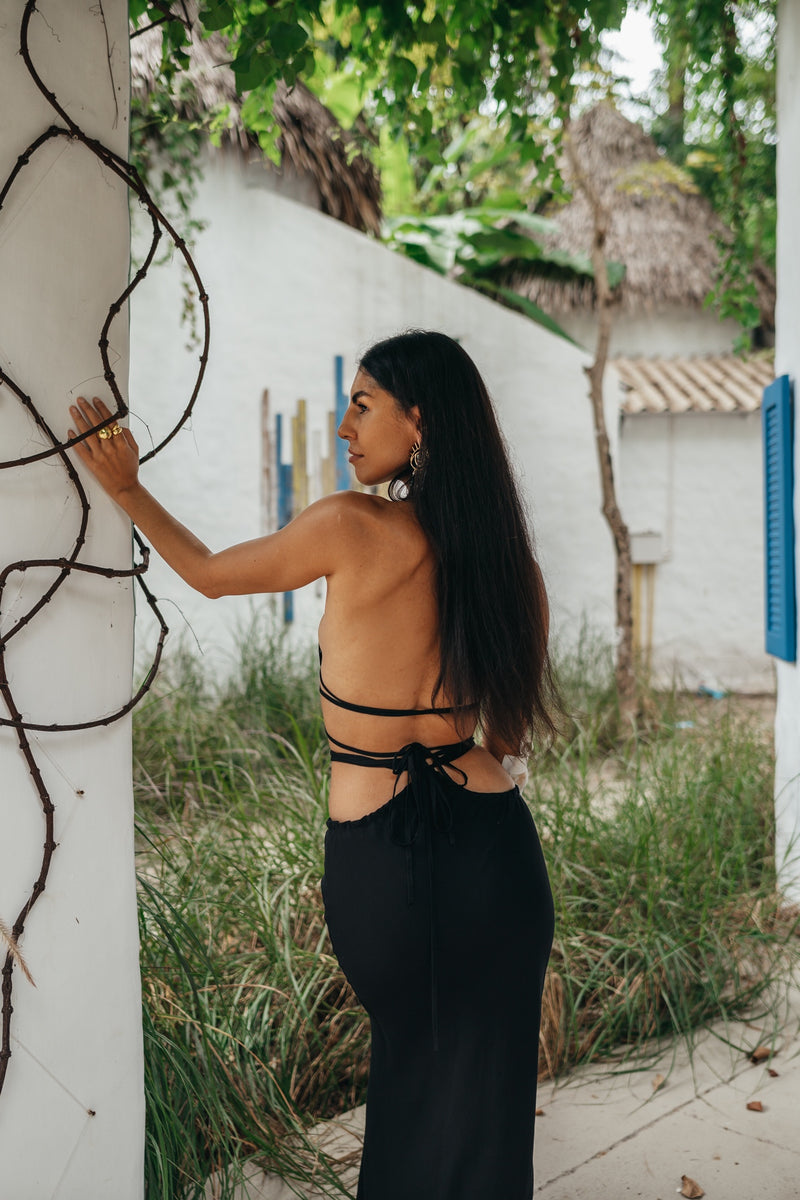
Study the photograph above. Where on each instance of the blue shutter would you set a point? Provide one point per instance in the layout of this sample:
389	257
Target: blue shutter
779	569
342	400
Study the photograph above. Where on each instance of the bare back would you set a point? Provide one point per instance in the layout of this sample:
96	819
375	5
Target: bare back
380	646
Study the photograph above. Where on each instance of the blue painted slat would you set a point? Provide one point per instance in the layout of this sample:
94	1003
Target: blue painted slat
779	539
285	492
284	476
342	399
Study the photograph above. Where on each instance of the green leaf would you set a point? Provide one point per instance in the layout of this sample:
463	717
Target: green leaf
433	32
253	70
216	16
527	307
268	141
493	246
426	250
343	96
575	261
403	75
425	123
616	272
460	144
397	178
530	221
286	39
357	33
257	110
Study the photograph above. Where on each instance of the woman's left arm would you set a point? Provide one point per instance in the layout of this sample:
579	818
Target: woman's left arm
306	549
310	546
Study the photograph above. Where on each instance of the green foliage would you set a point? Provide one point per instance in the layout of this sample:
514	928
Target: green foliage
660	853
721	126
414	70
165	150
480	246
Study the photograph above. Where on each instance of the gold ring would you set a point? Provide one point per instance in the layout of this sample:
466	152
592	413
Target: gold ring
106	433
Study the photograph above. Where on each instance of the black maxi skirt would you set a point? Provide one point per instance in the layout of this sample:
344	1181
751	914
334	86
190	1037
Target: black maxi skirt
441	916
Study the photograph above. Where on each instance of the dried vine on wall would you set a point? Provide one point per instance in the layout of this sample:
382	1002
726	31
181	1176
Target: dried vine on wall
71	562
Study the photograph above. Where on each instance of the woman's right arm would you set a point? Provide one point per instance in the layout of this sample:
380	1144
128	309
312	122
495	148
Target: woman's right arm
316	543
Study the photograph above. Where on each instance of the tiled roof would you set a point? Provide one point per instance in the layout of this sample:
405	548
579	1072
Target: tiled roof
709	383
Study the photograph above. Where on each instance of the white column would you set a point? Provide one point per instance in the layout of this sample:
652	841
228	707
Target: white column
72	1106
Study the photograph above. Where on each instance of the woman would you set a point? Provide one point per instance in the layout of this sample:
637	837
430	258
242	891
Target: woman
435	889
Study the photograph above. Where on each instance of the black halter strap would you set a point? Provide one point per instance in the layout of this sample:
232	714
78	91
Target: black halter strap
332	698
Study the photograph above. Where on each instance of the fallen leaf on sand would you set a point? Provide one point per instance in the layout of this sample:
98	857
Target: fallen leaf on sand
690	1188
755	1106
771	1071
760	1053
658	1082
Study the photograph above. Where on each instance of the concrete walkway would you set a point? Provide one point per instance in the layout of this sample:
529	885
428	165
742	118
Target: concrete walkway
606	1136
620	1135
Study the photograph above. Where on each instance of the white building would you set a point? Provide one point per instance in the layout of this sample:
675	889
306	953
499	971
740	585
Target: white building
691	487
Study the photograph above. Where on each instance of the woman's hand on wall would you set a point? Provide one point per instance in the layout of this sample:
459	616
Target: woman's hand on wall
113	460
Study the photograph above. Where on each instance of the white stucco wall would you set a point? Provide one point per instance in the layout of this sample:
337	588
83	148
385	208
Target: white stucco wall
291	288
670	330
72	1108
787	361
696	479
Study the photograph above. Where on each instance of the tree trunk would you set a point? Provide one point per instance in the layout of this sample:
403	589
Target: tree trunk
624	666
676	60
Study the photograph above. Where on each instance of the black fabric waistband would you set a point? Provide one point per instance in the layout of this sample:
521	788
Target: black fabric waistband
397	760
425	805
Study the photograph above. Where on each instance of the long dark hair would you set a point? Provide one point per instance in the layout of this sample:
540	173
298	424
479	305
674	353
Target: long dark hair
491	598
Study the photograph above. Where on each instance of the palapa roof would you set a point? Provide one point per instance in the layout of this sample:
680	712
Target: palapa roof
663	232
707	383
311	140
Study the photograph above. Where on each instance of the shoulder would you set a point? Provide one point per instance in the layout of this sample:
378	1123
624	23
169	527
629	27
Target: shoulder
357	509
365	529
340	509
346	521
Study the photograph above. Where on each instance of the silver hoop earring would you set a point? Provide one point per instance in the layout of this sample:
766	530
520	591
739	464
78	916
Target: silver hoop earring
398	489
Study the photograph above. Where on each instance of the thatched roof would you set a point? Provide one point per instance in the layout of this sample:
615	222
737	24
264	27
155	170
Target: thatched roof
663	232
312	140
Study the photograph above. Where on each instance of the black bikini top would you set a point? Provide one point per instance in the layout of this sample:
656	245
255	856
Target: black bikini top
394	760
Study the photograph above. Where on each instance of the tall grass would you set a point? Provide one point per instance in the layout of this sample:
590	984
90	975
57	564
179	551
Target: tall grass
250	1027
659	849
665	891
